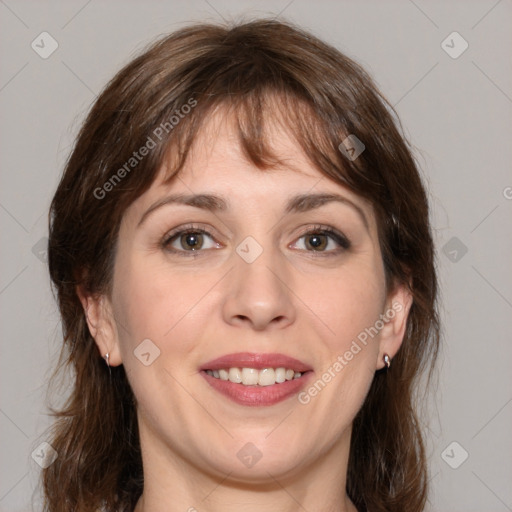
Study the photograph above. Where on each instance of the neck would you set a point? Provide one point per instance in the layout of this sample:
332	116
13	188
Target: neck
172	484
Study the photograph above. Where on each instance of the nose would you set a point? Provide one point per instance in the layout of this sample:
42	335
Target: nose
260	294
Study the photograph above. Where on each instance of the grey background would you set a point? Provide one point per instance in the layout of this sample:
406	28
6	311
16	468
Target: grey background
456	111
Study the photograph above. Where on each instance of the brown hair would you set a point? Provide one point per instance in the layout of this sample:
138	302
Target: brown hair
322	97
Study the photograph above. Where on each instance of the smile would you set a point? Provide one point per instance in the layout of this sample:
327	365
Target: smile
256	379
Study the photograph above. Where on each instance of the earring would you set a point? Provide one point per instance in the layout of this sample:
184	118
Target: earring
387	361
106	356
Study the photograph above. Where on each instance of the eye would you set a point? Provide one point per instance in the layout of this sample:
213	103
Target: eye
190	240
322	240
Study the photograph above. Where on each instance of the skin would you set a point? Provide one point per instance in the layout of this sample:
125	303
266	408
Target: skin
291	299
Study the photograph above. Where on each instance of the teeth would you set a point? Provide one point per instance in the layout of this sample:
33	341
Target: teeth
254	377
250	376
280	375
267	377
235	375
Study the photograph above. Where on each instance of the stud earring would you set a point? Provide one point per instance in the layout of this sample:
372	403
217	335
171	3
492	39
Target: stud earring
107	357
387	361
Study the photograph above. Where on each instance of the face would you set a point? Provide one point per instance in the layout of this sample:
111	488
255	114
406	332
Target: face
292	289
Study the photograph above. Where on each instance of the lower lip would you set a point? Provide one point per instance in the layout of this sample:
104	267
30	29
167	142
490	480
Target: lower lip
257	395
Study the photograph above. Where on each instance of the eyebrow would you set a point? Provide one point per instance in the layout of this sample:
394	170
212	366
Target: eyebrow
296	204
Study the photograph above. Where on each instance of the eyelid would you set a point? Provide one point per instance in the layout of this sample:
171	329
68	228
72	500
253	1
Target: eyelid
193	226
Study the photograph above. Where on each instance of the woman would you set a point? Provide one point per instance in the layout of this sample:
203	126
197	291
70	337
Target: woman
243	261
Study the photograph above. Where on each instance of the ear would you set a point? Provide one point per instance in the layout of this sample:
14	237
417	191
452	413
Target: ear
102	325
395	314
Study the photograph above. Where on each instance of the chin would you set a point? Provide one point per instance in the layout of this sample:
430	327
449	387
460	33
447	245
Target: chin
255	459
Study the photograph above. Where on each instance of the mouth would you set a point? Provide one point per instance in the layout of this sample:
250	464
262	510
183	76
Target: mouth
256	379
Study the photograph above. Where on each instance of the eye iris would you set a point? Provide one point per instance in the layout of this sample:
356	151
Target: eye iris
193	241
317	241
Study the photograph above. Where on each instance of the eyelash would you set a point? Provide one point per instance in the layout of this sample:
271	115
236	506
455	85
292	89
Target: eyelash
338	237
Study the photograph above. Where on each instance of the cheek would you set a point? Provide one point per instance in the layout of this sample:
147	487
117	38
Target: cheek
348	303
152	303
169	309
349	307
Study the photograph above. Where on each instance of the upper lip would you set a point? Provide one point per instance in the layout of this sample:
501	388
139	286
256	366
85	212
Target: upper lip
257	361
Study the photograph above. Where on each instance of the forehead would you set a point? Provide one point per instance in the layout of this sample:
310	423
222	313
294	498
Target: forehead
218	146
218	159
218	164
